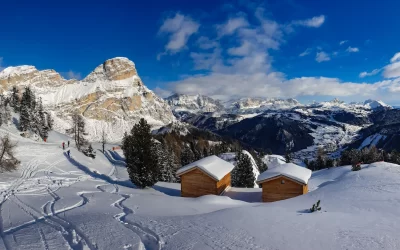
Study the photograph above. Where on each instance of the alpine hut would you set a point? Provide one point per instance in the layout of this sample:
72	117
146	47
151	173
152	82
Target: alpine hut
210	175
283	182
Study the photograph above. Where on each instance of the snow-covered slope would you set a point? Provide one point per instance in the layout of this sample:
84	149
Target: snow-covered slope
111	98
56	202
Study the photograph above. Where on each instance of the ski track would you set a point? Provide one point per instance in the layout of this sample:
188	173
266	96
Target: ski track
71	235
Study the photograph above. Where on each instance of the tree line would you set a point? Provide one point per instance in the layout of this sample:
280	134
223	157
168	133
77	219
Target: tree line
152	158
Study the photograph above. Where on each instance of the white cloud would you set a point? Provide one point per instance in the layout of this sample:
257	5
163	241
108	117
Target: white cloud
393	69
1	64
242	50
395	58
322	57
179	29
162	92
343	42
352	49
231	26
372	73
306	52
314	22
72	75
206	43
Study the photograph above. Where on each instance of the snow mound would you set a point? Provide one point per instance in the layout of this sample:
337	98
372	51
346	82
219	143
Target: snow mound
212	165
289	170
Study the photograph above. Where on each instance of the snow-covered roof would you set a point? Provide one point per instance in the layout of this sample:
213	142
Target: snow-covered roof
212	165
289	170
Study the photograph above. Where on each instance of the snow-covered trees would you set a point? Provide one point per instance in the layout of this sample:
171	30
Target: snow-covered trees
14	99
140	151
89	152
187	155
32	114
78	129
166	163
258	158
5	112
8	162
242	175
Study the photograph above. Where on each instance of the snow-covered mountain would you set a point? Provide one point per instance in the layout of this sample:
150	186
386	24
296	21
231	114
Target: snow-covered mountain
111	98
194	103
256	105
281	125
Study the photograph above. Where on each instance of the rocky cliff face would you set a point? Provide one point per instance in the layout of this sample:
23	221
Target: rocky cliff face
21	76
111	98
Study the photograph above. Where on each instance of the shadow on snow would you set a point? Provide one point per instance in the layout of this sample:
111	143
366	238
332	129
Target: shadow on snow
96	175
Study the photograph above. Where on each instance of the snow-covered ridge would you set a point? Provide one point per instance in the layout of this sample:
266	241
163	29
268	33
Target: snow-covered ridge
111	98
194	103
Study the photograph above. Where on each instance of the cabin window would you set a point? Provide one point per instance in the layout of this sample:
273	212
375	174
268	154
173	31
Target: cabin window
282	181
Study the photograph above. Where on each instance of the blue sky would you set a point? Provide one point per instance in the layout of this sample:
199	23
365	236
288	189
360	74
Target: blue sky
311	50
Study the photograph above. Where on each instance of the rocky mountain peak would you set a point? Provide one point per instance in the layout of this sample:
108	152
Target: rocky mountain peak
21	76
118	68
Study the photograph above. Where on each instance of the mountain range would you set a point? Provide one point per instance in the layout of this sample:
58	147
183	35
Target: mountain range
113	97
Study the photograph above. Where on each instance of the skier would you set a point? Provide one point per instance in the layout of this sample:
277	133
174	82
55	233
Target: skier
68	143
68	152
63	145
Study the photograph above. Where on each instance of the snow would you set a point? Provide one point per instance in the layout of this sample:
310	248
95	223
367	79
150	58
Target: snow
212	165
371	140
19	70
273	161
52	202
289	170
374	104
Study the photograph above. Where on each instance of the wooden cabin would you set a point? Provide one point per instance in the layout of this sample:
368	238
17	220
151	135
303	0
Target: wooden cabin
283	182
210	175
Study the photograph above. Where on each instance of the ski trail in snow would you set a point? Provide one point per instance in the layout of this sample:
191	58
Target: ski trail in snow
149	239
43	239
2	235
72	235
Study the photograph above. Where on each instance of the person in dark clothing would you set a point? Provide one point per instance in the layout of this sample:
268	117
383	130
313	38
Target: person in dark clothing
68	152
63	145
68	143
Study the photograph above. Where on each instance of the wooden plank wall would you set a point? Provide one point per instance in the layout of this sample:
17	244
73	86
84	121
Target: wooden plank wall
196	183
274	190
223	183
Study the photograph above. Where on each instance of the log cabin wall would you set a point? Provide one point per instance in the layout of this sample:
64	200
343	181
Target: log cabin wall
223	183
282	188
195	183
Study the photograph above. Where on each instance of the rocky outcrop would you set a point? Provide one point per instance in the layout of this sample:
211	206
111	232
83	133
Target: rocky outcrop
22	76
119	68
111	98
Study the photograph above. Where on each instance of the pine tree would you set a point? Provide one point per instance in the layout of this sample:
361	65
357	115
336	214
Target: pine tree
258	158
140	152
187	155
288	157
78	129
15	102
26	110
166	163
49	120
103	140
242	174
89	151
